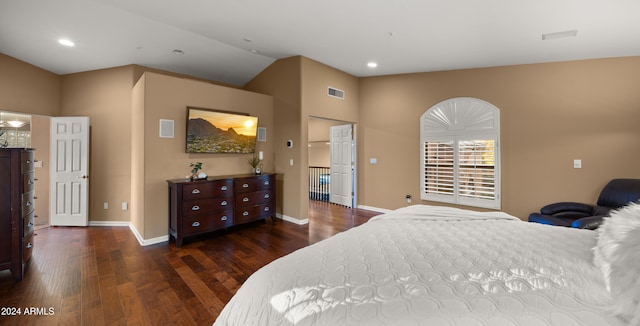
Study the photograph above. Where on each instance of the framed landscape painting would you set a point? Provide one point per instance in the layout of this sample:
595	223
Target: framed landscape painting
211	131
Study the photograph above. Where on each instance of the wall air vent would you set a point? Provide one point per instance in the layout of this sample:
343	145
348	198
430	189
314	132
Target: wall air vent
334	92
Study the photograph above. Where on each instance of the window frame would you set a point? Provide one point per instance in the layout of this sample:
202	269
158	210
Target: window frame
457	120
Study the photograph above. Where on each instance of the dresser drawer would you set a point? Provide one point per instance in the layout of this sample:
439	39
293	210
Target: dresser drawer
29	223
29	181
28	203
254	198
206	206
207	223
253	184
27	248
28	161
247	214
207	189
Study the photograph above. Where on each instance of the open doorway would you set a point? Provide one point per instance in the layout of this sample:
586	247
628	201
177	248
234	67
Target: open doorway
332	172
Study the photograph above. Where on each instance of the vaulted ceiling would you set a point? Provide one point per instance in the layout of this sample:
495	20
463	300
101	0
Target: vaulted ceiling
234	40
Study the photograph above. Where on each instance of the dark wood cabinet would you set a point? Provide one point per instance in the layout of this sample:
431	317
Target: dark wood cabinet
17	209
202	206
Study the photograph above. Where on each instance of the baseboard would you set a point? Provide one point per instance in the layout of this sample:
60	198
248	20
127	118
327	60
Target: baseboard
135	232
147	242
292	219
108	223
375	209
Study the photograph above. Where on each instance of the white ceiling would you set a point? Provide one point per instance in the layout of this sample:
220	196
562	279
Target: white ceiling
402	36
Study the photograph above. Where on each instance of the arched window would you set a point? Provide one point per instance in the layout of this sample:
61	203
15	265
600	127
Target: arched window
460	149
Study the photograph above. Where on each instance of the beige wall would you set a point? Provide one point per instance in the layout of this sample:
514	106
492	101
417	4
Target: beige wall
105	97
299	87
319	154
167	97
28	89
551	114
137	155
40	131
282	80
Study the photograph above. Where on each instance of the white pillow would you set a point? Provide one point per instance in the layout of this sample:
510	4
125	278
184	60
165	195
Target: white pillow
617	254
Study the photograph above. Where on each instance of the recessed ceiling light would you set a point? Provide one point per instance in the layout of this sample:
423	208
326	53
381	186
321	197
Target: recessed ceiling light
372	64
66	42
551	36
16	123
178	52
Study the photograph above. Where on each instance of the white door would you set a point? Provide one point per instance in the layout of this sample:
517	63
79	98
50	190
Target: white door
69	171
342	164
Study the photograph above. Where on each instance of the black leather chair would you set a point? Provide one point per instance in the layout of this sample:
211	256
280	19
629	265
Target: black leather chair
617	193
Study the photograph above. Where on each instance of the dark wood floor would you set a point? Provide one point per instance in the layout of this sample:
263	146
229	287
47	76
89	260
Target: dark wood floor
102	276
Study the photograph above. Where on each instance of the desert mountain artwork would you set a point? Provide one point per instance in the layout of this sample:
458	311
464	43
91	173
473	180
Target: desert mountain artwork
204	136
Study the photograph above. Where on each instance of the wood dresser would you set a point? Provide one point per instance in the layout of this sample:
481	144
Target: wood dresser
197	207
17	209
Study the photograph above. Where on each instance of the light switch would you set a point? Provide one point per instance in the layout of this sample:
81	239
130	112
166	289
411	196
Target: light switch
577	164
373	160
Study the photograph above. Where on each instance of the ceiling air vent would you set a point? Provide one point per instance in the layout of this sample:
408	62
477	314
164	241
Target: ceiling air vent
334	92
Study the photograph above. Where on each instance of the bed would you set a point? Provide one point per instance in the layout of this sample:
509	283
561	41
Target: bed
431	265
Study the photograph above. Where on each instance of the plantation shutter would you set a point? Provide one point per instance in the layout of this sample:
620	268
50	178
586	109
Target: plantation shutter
439	168
460	152
476	169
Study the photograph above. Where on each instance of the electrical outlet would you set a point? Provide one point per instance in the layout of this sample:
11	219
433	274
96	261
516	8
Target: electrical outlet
577	164
106	205
125	206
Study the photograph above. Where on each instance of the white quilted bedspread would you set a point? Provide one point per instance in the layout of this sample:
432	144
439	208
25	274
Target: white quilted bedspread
428	265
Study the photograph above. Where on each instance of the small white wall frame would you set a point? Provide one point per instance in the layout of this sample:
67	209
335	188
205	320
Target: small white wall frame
166	128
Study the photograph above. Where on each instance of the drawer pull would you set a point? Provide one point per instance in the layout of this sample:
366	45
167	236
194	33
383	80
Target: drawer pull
224	203
195	191
245	213
224	188
266	183
28	162
30	182
224	218
28	203
30	224
195	224
29	245
266	209
245	199
266	196
195	208
245	185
